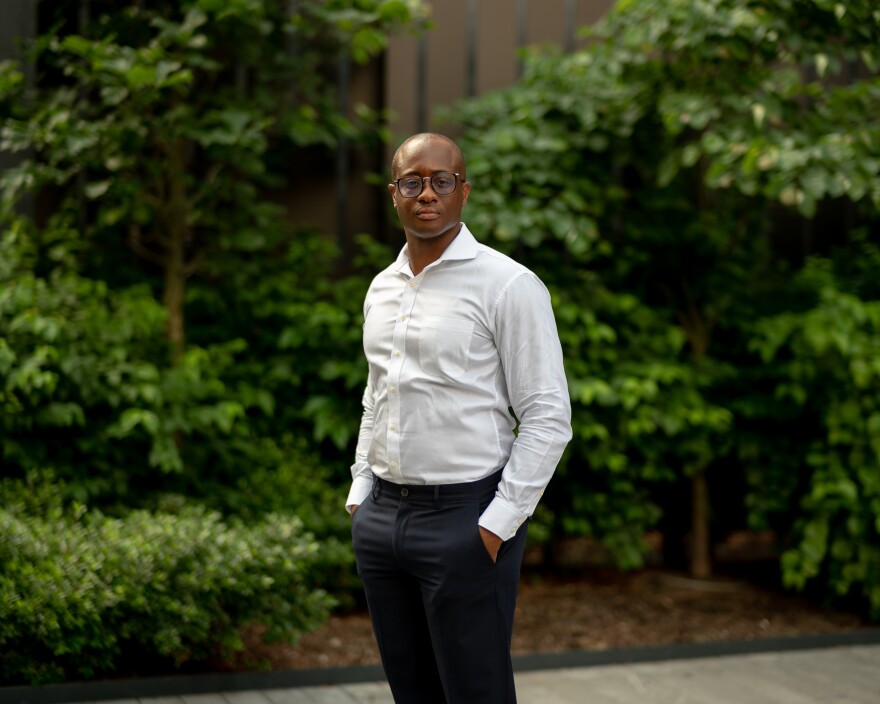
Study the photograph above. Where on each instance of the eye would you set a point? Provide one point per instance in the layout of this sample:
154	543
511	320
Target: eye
410	184
443	181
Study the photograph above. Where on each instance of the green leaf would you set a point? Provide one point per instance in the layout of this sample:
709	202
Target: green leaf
96	189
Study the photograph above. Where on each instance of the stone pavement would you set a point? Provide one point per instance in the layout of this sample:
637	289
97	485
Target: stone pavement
836	675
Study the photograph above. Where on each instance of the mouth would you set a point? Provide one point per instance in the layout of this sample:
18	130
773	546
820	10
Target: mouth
427	214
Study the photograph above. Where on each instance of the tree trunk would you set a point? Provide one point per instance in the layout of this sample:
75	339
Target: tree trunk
177	235
701	543
698	329
173	295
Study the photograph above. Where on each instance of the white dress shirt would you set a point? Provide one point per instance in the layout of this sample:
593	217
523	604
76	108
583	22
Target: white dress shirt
449	351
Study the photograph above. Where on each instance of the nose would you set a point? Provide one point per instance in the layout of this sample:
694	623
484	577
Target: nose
425	188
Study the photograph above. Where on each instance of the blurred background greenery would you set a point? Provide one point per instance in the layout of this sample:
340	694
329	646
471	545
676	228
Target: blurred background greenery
180	363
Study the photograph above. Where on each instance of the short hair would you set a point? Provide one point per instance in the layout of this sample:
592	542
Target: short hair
426	137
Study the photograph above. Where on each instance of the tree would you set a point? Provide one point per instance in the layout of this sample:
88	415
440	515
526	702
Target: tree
168	130
161	122
657	158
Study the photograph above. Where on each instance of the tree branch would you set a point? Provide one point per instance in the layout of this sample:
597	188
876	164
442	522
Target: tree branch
696	327
193	265
135	241
209	180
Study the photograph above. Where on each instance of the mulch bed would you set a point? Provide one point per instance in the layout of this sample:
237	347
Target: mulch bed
595	610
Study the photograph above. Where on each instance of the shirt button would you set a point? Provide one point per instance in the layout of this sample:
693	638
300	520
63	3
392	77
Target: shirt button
412	284
392	389
393	464
403	317
396	353
394	426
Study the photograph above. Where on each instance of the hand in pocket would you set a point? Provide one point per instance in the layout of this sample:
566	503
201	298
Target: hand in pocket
491	542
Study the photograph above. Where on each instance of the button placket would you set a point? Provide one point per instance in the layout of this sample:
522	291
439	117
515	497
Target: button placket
395	370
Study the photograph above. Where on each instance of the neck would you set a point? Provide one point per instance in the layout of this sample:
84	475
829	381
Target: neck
423	252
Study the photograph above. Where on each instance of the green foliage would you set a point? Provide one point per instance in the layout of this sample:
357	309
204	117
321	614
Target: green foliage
170	336
661	159
827	366
167	131
642	178
303	325
80	365
74	358
85	595
638	416
288	477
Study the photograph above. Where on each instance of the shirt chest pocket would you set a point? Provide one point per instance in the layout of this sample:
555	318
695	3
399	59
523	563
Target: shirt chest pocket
444	346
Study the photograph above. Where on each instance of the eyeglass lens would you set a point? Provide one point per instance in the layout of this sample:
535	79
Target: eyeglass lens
442	183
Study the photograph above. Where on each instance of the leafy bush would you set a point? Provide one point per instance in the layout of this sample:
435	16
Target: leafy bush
825	363
655	180
84	595
165	321
83	364
80	364
287	478
184	373
638	416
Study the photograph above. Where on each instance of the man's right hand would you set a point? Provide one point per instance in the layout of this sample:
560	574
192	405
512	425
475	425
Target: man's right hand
354	507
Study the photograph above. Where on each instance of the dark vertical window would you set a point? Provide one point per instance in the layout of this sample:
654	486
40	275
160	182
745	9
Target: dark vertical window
570	22
522	25
421	80
473	8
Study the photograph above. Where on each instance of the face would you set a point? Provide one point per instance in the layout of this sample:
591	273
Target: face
429	215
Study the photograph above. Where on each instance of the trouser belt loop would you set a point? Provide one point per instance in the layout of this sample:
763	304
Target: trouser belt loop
436	496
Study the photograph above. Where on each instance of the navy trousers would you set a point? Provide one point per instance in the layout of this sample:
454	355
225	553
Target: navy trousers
442	611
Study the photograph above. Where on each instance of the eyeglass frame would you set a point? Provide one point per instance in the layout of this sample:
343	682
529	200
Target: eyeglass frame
430	178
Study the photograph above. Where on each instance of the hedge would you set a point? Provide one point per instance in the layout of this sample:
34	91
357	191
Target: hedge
84	594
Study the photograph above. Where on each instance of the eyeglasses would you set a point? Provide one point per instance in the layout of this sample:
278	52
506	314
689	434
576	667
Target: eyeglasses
443	184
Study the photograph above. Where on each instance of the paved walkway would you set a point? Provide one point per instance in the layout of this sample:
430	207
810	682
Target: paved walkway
840	675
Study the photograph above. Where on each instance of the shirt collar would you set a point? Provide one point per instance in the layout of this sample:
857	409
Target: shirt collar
464	246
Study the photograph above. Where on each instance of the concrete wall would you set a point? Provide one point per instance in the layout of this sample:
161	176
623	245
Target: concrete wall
495	57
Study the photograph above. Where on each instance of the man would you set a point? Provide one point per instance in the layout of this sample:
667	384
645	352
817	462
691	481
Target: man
455	334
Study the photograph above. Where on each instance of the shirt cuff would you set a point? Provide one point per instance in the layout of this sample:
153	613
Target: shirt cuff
501	518
360	490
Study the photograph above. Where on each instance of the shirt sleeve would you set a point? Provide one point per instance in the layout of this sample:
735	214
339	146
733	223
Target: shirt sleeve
531	358
361	473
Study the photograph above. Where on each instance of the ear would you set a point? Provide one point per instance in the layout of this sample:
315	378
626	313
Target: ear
466	190
393	191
